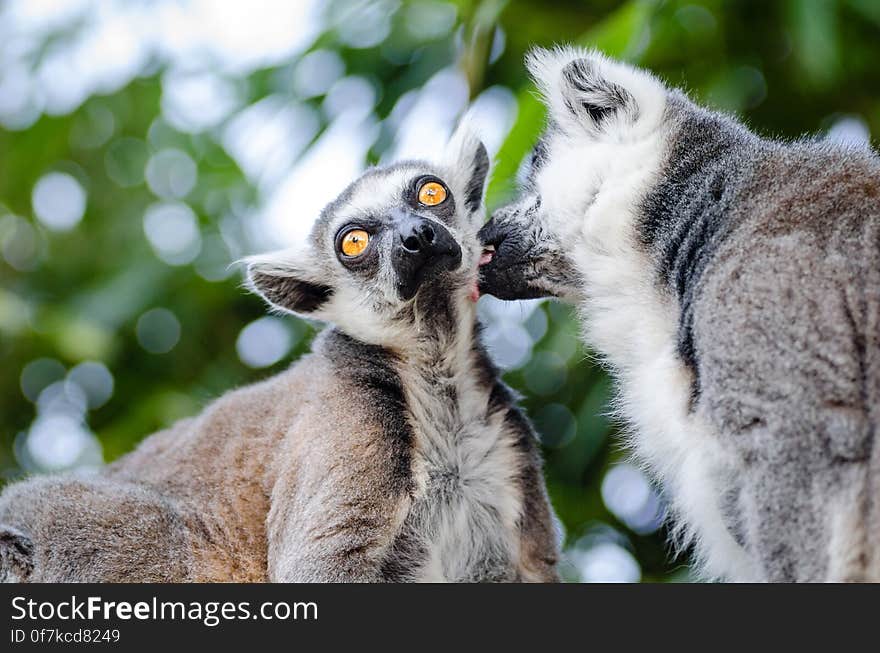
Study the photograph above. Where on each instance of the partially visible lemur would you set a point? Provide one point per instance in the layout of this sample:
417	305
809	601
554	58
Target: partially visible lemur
732	284
392	452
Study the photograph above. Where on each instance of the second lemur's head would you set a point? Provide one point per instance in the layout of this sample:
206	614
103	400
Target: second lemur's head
395	254
579	190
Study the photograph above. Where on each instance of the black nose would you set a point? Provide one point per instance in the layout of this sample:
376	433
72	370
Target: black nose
423	239
417	236
422	248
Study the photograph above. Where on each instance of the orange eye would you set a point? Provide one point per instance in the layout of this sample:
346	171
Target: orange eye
432	193
354	242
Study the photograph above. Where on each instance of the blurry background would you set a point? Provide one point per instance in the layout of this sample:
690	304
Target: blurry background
145	145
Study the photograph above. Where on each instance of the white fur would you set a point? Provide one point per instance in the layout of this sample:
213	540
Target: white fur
457	441
590	189
850	540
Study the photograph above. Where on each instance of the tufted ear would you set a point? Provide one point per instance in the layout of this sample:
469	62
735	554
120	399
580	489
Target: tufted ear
592	98
467	155
289	280
586	90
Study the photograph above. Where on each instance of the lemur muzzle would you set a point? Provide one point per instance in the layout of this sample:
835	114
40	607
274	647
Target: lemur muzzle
421	248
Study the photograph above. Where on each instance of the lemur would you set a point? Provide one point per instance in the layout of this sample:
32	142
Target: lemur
731	283
391	452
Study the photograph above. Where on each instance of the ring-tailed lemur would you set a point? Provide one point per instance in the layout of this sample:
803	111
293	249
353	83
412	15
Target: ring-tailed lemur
732	284
393	452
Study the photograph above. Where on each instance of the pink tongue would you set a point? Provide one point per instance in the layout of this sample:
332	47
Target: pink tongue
485	257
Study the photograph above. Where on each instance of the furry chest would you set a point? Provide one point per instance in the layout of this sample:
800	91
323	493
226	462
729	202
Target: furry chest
463	524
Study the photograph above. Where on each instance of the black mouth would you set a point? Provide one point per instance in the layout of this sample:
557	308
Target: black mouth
412	277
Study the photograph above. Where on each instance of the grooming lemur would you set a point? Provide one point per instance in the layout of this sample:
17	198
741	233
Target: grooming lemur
732	285
392	452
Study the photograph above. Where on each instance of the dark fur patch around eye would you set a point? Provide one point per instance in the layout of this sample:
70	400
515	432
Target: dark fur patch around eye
445	211
291	293
590	95
473	195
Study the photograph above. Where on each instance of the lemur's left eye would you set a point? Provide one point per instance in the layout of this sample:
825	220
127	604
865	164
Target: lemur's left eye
354	242
432	193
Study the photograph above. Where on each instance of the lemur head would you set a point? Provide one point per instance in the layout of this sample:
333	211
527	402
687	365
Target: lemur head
397	249
603	135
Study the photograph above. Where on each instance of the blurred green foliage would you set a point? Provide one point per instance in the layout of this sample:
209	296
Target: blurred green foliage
786	68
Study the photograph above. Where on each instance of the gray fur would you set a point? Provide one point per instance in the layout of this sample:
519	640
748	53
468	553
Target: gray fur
786	346
392	452
757	264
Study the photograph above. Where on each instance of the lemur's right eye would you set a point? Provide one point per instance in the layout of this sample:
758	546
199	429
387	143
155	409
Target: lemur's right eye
354	242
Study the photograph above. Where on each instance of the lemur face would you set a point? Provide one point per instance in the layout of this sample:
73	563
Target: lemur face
603	119
525	254
394	231
397	243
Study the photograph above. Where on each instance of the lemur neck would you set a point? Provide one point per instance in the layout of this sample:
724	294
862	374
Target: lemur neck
443	376
443	336
434	336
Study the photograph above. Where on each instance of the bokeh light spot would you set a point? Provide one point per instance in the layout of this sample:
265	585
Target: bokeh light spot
62	398
58	441
194	102
426	19
214	259
19	242
850	130
39	374
59	201
546	373
95	380
171	174
20	107
316	72
158	330
365	23
353	95
628	494
696	19
607	562
173	232
264	342
556	425
93	127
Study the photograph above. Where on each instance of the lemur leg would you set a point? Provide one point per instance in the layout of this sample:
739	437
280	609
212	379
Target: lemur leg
319	542
805	513
538	545
91	529
783	380
335	513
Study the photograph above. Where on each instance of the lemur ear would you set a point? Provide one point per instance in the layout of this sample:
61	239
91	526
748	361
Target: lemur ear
587	90
467	156
592	98
288	280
